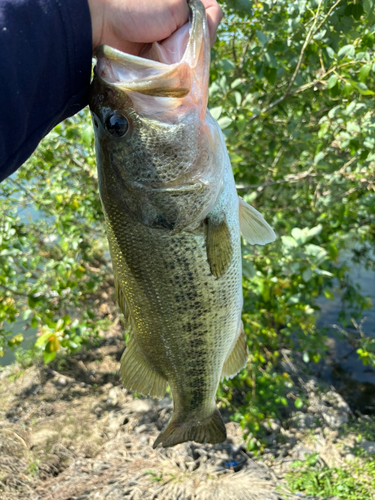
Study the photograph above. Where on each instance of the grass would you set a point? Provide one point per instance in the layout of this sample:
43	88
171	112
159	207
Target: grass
356	481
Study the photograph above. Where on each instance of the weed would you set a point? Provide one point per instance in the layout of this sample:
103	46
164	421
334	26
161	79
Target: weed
354	482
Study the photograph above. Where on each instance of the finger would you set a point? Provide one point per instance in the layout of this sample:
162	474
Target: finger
214	16
179	11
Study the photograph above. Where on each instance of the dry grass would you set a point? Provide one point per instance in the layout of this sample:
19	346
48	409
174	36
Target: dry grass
71	433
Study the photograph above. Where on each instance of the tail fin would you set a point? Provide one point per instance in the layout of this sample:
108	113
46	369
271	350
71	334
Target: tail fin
211	430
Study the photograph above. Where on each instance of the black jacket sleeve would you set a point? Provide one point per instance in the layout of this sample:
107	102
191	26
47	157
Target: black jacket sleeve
45	68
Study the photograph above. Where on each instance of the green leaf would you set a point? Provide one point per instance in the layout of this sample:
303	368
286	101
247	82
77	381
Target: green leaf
332	81
87	135
364	72
368	6
346	51
262	37
307	275
314	231
324	127
328	294
347	89
270	74
43	339
289	242
298	403
216	112
306	357
15	340
322	272
238	98
49	356
331	53
227	65
319	157
26	314
299	235
353	127
320	35
34	322
315	251
236	83
357	11
224	122
362	88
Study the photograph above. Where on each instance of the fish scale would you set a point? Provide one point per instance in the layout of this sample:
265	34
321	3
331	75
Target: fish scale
173	225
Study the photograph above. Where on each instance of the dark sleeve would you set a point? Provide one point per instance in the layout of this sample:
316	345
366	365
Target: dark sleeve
45	68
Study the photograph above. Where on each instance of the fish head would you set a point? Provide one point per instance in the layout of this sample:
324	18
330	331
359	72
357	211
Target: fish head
159	152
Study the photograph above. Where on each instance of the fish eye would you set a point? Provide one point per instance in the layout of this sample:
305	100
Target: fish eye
117	124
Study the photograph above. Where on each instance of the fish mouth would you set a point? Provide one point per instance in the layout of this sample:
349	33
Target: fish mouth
175	67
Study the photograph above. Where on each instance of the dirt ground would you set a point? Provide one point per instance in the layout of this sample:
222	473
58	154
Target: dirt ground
73	433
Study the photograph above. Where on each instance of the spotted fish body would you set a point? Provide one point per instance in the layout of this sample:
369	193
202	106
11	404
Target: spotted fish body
173	226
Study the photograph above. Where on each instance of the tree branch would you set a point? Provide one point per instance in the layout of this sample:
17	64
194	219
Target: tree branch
314	28
289	178
15	292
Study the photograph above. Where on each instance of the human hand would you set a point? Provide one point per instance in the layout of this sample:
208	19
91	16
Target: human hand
128	25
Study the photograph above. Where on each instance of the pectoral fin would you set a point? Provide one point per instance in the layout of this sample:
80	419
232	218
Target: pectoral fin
254	228
238	357
219	245
138	375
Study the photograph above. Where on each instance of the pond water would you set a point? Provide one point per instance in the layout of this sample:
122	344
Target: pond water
29	335
342	367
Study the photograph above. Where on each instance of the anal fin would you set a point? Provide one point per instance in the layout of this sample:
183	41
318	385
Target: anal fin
138	375
237	359
219	245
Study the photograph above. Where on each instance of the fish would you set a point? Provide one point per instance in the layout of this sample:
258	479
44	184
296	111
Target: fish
173	221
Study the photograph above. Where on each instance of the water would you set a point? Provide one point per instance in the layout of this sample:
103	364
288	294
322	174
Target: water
342	367
20	326
29	335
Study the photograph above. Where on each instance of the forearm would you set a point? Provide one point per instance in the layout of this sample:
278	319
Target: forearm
45	68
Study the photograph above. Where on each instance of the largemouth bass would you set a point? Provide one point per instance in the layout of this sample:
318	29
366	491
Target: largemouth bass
173	222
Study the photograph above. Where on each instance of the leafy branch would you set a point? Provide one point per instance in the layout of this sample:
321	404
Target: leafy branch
313	30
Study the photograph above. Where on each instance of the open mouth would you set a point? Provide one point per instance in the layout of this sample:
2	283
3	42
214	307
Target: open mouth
165	69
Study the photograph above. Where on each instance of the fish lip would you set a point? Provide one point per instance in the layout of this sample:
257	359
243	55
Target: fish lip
118	56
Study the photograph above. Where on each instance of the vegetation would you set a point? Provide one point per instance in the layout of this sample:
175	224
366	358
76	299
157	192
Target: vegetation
355	482
292	86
